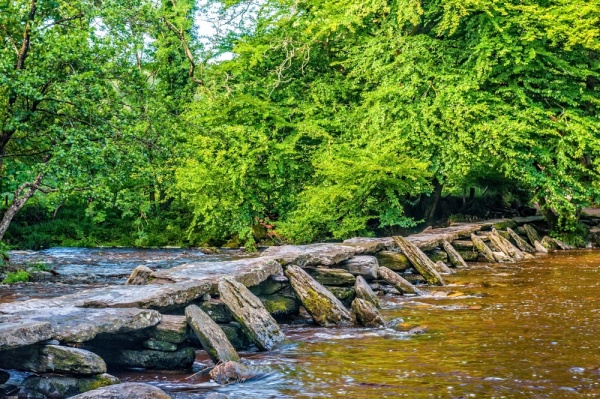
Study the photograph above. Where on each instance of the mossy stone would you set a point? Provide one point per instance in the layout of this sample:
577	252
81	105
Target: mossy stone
280	305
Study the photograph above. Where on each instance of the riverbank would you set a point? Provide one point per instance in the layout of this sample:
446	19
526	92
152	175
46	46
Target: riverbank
170	291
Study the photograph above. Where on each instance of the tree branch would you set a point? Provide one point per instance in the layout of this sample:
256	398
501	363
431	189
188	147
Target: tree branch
186	49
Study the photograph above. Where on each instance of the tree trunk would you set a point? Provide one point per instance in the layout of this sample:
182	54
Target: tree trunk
22	195
433	201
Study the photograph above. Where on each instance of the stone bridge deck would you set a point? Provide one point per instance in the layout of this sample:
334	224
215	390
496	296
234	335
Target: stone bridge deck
81	316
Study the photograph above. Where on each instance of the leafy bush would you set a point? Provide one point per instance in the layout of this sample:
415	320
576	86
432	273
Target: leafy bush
19	276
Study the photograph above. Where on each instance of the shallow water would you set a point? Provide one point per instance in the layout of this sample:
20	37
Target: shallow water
85	268
526	330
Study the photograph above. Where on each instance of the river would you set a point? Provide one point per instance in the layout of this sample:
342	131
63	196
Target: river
522	330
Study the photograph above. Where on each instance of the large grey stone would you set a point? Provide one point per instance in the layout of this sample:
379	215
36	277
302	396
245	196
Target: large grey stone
420	261
81	324
367	314
322	305
58	387
327	276
231	372
364	291
148	359
23	333
63	359
173	329
395	261
396	281
141	275
211	336
362	265
455	258
128	390
217	310
249	271
280	305
249	311
370	245
311	255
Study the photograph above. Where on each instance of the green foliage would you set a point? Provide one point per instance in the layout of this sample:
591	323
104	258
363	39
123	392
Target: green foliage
18	276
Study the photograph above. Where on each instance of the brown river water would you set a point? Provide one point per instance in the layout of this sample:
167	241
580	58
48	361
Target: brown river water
523	330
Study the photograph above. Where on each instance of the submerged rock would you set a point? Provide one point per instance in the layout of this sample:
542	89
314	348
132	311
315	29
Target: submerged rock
363	265
364	291
322	305
211	336
128	390
367	314
396	281
231	372
249	311
58	387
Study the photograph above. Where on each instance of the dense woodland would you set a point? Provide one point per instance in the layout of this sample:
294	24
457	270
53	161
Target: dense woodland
297	121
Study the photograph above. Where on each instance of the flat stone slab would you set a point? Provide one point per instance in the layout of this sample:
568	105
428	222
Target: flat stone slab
211	336
250	271
121	296
23	333
370	245
79	324
311	255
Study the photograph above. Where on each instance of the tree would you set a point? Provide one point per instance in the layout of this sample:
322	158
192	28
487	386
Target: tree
90	92
463	87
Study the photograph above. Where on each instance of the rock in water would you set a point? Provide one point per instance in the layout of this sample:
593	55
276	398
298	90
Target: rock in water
141	275
24	334
420	261
532	233
322	305
231	372
397	282
521	243
127	390
64	359
482	248
364	291
443	268
55	386
367	313
249	311
539	247
505	246
211	336
327	276
172	329
455	258
393	260
553	243
363	265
